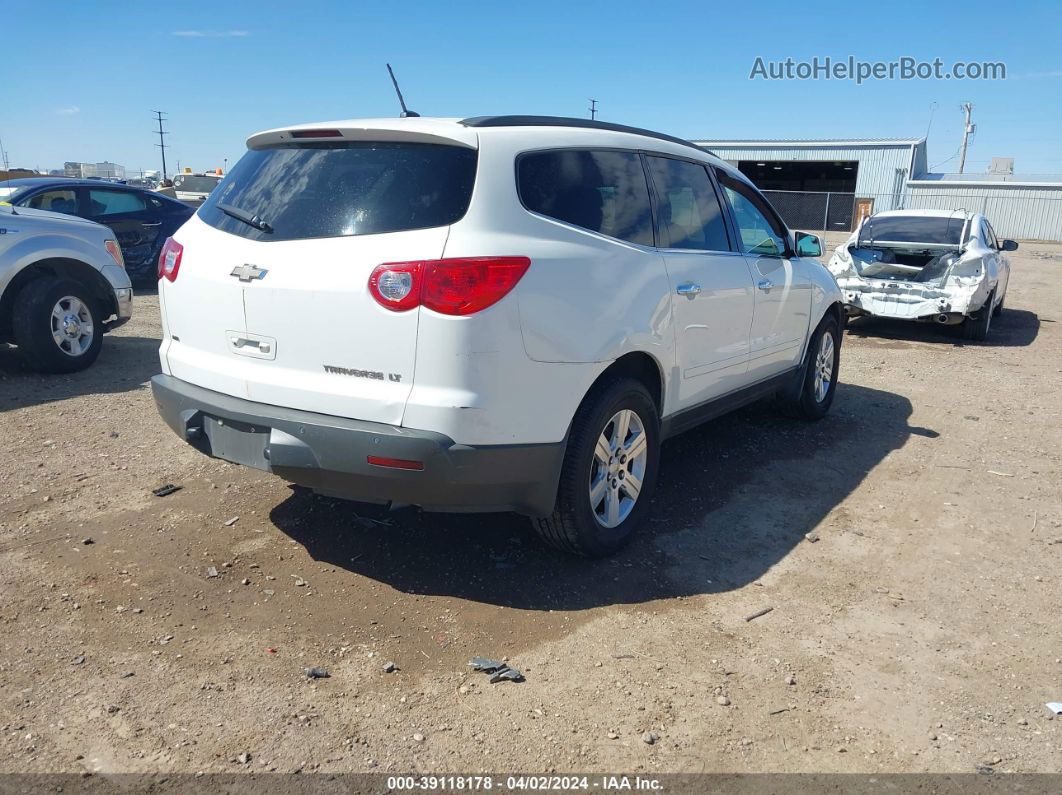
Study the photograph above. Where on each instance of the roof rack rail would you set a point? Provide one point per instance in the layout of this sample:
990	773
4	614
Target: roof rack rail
566	121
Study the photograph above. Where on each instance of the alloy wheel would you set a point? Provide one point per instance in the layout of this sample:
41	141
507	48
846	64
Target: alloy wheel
823	368
618	468
72	327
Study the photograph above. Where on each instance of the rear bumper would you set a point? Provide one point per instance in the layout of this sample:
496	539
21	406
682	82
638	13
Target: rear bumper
912	300
328	454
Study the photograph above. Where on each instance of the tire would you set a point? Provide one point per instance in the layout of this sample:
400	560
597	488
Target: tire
57	325
578	525
812	395
977	328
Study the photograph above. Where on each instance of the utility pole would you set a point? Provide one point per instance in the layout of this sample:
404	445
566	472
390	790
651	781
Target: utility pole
3	156
967	130
593	109
162	141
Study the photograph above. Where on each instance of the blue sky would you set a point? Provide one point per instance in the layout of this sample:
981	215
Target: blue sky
82	78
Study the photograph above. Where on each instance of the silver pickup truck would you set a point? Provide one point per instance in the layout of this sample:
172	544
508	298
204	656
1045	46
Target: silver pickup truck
62	285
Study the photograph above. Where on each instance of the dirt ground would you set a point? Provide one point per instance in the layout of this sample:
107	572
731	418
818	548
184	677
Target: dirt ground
920	632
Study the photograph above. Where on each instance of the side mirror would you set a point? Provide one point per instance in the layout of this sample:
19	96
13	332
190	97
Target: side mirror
807	245
1009	245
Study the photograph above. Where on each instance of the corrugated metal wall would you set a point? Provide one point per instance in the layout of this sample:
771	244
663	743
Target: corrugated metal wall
1023	213
1020	213
878	165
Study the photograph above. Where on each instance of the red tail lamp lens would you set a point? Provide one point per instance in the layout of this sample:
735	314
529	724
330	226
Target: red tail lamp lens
395	463
170	259
458	286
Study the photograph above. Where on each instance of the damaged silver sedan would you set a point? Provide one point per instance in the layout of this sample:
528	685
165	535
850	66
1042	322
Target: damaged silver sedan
934	266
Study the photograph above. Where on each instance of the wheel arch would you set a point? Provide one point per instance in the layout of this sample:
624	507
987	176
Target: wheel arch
56	268
640	366
837	309
834	309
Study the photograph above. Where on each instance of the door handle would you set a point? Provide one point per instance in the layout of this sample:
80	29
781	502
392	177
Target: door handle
262	345
765	285
157	223
689	290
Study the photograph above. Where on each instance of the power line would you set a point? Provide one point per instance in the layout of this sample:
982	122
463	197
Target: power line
946	160
932	110
162	141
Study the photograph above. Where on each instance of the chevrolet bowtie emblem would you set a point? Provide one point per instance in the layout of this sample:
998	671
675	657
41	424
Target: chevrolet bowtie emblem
248	273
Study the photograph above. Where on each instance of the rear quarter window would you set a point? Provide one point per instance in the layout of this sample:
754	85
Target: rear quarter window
344	189
601	190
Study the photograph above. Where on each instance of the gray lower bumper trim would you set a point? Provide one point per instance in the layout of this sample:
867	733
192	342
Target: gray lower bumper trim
328	454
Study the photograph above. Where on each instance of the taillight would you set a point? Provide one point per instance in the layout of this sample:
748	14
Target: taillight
396	285
316	134
458	286
170	259
115	251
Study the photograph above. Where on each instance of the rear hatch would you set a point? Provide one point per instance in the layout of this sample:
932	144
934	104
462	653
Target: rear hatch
271	299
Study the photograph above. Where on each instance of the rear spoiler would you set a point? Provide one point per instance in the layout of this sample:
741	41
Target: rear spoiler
412	130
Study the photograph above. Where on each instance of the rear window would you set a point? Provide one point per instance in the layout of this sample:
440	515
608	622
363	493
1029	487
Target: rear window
603	191
343	189
912	229
194	183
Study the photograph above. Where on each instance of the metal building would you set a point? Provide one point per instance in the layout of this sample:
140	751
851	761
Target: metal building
831	185
1020	208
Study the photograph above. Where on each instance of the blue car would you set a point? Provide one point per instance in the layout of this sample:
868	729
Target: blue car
141	219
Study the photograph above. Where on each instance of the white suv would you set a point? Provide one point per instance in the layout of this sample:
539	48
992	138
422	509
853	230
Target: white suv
492	314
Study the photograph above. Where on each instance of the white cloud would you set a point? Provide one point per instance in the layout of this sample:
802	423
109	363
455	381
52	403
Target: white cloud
212	34
68	111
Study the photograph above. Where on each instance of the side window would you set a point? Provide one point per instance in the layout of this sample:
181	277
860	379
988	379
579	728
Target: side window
603	191
58	201
688	214
114	202
990	236
760	231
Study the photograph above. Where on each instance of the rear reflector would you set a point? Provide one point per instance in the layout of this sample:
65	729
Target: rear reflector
457	286
395	463
170	259
316	134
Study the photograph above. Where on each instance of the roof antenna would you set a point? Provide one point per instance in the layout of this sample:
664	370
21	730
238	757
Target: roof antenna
406	113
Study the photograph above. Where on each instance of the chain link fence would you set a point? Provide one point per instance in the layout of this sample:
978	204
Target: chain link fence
826	212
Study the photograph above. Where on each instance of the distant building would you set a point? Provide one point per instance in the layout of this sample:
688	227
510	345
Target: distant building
834	184
109	170
105	170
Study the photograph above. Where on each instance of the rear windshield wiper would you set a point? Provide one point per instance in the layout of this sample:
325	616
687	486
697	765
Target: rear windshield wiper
246	217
